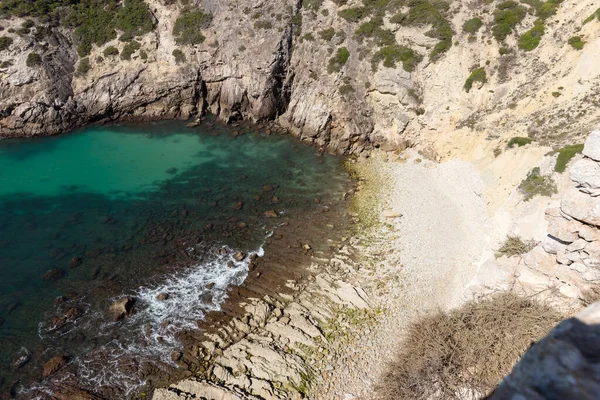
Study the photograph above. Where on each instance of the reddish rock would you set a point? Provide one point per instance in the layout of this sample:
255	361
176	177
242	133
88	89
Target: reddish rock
54	365
270	214
239	205
75	262
268	188
176	355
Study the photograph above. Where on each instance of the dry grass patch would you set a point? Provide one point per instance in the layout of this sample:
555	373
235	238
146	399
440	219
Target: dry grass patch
466	352
515	246
590	296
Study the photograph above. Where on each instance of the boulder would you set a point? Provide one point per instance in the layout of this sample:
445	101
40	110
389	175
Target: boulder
591	147
588	233
54	365
581	207
586	173
270	214
239	256
562	229
121	308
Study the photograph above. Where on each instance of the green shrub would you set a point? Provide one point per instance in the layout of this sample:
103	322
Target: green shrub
129	49
531	39
565	155
596	15
426	12
346	89
83	67
143	54
134	18
5	42
477	75
179	56
373	29
537	185
309	36
110	51
187	28
576	42
556	94
506	17
263	24
518	141
314	5
33	60
390	55
327	34
473	25
354	14
338	60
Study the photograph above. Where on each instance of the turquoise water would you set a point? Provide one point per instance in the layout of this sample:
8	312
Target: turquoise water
108	211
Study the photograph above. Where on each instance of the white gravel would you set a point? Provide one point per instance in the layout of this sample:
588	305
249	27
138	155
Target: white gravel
413	264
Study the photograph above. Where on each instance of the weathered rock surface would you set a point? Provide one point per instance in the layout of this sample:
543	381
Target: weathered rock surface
54	365
279	71
121	308
592	146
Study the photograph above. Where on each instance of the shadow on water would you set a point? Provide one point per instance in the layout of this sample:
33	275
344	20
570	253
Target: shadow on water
70	246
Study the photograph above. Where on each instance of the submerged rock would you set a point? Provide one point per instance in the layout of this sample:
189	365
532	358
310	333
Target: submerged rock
270	214
239	256
53	274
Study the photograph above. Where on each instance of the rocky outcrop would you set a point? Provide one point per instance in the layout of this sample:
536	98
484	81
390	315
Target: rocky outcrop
274	350
272	61
563	365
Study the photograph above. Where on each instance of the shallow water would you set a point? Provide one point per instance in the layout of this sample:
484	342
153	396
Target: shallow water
138	211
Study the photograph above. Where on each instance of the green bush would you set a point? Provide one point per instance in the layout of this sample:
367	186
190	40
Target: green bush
390	55
33	60
263	24
129	49
179	56
5	42
346	89
110	51
518	141
84	66
477	75
506	17
425	12
576	42
565	155
338	60
472	25
537	185
596	15
189	25
531	39
354	14
373	29
327	34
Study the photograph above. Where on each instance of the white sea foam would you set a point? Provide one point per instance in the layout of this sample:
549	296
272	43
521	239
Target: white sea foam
151	331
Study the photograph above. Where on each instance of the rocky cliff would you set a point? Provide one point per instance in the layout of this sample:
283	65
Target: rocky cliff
348	75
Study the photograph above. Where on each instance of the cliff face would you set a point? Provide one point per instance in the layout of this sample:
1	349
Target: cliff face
338	74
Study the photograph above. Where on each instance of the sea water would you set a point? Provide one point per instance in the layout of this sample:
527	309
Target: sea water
111	211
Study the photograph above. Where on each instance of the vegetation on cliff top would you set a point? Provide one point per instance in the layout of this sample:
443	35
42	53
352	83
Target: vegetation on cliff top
93	21
477	75
471	348
565	155
189	25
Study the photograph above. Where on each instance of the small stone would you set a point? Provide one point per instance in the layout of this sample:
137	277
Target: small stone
162	296
268	188
306	247
75	262
210	286
176	356
239	256
270	214
239	205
